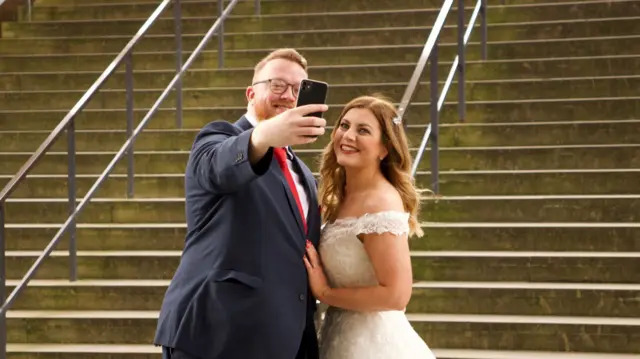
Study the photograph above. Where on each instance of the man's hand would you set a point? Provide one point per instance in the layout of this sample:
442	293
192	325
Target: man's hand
289	128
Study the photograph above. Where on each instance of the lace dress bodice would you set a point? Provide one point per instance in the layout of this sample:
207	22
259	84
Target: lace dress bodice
345	261
356	335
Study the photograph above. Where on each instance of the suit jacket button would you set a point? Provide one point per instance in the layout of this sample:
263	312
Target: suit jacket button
301	297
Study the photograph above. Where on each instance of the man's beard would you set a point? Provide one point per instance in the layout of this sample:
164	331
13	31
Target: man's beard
263	110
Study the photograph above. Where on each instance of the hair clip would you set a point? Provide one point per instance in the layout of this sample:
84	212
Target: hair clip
397	120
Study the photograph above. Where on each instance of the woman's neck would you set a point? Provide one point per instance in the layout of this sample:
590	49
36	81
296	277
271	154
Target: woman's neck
361	179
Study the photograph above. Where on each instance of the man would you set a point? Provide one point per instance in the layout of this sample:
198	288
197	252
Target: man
241	290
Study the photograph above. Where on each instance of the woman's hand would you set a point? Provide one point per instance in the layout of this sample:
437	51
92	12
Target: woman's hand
317	279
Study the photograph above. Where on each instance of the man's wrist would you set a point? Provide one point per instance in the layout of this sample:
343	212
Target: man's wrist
257	147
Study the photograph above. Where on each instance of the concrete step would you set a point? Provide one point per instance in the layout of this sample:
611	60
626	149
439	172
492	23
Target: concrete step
536	110
309	37
619	208
493	3
503	266
461	183
200	23
531	236
142	9
524	298
237	41
451	135
510	354
501	298
141	351
487	90
242	51
544	333
557	208
616	23
549	333
469	236
451	158
158	74
405	52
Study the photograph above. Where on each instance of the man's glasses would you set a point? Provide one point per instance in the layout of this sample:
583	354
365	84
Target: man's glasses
278	86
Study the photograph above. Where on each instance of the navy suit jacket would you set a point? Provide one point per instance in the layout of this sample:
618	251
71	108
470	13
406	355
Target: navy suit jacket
241	288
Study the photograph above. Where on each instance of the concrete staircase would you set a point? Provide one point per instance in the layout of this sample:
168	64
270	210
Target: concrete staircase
533	252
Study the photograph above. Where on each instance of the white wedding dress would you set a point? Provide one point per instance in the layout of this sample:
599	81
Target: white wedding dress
363	335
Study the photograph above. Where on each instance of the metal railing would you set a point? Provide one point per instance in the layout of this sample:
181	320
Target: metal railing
430	53
67	124
29	9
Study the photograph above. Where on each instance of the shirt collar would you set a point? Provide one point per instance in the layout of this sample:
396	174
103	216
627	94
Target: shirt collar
254	122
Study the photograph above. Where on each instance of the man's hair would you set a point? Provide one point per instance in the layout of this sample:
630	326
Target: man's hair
284	54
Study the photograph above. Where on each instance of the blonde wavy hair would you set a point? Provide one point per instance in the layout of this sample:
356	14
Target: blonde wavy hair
396	166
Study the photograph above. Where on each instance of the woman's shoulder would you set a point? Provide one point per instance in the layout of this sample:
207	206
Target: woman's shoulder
385	198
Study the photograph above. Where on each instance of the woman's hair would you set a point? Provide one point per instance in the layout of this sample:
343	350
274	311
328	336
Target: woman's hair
396	166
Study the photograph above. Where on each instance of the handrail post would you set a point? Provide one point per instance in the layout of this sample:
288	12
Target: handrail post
29	9
257	7
433	107
71	187
128	60
3	286
461	61
177	20
220	36
483	16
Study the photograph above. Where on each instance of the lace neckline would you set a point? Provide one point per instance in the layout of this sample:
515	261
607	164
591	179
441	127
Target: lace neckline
388	213
395	222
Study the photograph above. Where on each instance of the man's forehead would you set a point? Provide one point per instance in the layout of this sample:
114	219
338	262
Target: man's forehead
283	69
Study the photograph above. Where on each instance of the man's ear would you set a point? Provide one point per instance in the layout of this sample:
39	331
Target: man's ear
250	94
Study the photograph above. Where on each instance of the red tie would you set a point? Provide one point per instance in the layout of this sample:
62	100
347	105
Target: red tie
281	157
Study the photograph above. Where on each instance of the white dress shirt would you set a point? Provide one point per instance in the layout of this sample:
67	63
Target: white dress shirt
296	178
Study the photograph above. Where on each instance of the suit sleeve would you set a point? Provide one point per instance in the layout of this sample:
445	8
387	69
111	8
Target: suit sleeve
219	158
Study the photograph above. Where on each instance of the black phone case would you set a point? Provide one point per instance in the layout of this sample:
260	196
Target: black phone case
312	92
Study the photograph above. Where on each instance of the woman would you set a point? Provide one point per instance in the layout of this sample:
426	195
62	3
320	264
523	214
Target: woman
370	208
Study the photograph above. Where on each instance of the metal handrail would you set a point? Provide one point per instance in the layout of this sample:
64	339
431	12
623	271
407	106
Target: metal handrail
430	53
68	124
29	9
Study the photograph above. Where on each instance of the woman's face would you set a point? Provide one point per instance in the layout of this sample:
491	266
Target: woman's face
357	141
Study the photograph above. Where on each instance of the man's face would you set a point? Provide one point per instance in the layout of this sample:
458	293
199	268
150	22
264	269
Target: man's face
275	88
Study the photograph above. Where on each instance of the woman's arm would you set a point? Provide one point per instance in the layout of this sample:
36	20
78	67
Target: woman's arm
391	259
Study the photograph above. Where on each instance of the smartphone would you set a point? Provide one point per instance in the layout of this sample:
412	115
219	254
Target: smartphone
312	92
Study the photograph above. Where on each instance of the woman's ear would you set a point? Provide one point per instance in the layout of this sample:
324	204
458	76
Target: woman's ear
383	153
